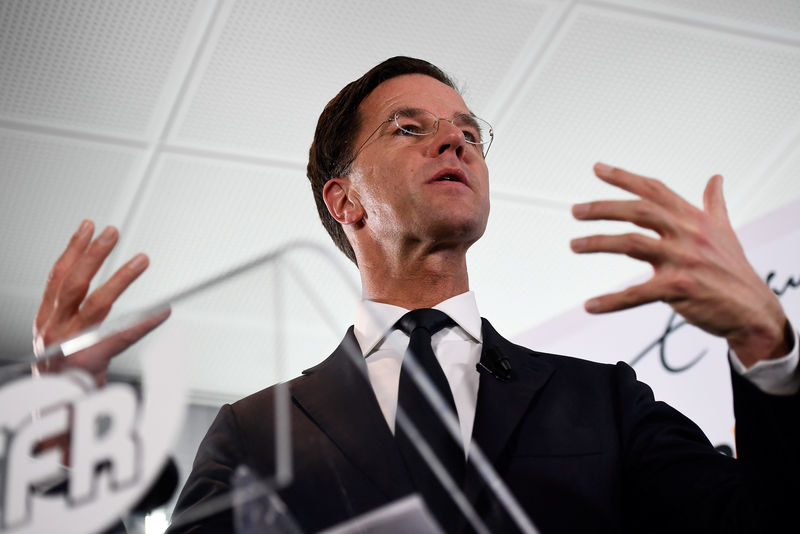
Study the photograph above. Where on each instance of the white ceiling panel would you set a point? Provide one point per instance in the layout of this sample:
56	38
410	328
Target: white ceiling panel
774	16
778	185
275	65
655	97
524	272
50	184
200	217
91	64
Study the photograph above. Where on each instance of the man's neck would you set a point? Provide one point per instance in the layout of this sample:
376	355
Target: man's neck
415	281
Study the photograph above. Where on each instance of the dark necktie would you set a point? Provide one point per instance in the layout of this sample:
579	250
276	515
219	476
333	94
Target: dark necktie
420	325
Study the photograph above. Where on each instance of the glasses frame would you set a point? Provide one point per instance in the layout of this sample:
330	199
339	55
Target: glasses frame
399	114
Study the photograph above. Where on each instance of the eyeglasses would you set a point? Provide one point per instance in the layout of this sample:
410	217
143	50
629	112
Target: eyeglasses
418	122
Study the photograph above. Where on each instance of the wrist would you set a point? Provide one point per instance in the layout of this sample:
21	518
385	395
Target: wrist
763	342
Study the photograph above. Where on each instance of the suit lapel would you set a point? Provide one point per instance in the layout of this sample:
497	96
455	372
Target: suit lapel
337	396
501	404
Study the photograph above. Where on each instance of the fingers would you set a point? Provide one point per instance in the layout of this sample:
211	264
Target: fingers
98	304
622	300
76	283
647	188
77	246
659	208
65	310
634	245
639	212
95	359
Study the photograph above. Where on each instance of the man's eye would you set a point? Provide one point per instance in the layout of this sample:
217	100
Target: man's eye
409	129
471	136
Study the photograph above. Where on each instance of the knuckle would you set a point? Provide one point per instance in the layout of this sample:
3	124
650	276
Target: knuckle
45	338
93	301
682	284
590	208
635	298
92	304
39	321
702	240
630	297
56	272
690	260
642	211
616	173
128	338
702	234
637	244
95	310
97	252
683	258
654	185
72	289
74	240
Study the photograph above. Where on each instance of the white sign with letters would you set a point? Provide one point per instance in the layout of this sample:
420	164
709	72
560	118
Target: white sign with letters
117	443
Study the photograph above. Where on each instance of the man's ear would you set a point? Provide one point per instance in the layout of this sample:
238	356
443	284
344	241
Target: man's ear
342	204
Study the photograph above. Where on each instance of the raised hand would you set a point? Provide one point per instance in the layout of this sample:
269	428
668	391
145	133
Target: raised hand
66	309
699	266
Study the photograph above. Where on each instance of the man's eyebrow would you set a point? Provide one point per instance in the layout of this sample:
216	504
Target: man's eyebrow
468	116
405	111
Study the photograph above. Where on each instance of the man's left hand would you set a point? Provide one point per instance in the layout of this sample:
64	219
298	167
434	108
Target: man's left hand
699	266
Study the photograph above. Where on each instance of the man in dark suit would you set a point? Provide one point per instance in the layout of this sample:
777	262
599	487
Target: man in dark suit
399	176
583	447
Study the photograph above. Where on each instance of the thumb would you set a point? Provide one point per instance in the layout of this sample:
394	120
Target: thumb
713	200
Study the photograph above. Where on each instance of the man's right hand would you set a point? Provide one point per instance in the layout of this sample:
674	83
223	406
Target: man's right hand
66	309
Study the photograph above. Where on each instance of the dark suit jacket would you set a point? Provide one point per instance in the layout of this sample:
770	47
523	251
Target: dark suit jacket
582	446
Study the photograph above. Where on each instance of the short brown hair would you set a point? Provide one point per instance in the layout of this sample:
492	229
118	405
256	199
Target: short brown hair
330	153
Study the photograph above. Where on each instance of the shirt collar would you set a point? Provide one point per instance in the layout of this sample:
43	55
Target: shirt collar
373	320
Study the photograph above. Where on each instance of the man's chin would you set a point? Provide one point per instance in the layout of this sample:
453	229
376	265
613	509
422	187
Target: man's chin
460	231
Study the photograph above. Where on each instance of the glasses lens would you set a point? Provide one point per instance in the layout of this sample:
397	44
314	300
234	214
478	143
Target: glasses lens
420	122
416	121
476	130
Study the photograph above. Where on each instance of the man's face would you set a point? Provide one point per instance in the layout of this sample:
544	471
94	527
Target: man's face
432	189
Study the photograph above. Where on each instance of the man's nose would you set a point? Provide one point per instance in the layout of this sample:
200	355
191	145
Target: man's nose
449	137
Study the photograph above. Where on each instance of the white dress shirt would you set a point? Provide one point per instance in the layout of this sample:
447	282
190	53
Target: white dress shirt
458	350
778	376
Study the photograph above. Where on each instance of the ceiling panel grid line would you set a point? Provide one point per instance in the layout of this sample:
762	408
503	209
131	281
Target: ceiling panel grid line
533	201
766	175
198	65
529	55
132	202
716	20
543	51
234	157
71	133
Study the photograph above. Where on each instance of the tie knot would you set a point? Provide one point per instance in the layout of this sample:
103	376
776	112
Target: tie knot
427	318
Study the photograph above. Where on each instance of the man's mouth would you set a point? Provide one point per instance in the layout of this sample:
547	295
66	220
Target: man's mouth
450	175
